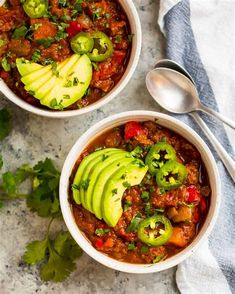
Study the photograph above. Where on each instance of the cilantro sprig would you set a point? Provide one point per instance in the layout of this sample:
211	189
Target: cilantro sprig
56	255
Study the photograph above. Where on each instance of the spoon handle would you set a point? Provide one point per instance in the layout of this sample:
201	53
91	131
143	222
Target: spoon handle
227	160
224	119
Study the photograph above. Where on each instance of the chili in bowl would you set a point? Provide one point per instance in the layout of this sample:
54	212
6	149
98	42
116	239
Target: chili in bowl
139	191
65	58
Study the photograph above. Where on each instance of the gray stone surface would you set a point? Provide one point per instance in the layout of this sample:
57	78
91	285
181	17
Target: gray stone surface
35	138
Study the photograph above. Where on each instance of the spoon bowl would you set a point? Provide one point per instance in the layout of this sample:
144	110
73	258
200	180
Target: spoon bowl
172	90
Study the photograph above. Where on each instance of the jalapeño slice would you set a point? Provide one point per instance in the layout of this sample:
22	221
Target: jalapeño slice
82	43
171	175
35	8
155	230
158	155
103	47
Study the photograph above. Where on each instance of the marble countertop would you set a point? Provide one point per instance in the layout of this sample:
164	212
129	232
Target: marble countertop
34	138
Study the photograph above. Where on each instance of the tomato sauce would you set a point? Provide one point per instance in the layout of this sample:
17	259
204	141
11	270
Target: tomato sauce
186	206
22	36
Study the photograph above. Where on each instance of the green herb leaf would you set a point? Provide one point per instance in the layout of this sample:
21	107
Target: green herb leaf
85	184
5	123
19	32
127	205
54	69
35	251
101	232
117	39
145	195
46	42
158	258
5	65
126	184
133	226
131	246
36	55
114	191
144	249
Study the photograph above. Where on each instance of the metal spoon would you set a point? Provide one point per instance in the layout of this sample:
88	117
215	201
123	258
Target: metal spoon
177	93
227	160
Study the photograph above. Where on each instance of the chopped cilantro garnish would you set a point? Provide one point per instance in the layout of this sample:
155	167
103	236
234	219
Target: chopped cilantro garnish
126	184
144	249
158	258
145	195
53	102
54	69
31	92
65	96
85	184
19	32
114	191
68	84
5	65
133	226
131	246
117	39
104	156
127	205
101	232
36	55
46	42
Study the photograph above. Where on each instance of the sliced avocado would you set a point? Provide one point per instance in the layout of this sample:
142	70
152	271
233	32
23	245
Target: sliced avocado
85	178
63	68
33	76
40	81
79	77
80	171
102	179
95	172
26	67
114	188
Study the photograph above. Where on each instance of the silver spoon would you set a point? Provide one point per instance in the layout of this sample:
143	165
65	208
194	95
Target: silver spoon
227	160
178	93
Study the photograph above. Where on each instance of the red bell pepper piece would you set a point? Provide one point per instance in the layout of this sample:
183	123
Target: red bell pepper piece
193	194
99	243
73	28
133	129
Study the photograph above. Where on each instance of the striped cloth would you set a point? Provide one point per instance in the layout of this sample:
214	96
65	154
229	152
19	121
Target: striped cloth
200	36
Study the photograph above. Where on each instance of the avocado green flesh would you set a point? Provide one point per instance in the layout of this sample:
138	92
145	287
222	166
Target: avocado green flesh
66	96
26	67
89	168
95	172
99	186
49	78
111	204
49	84
80	171
45	72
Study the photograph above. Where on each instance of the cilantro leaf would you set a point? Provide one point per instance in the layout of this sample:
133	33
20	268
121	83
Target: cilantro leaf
62	252
5	123
19	32
35	251
134	224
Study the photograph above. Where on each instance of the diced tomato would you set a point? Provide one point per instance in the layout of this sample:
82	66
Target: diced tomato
45	28
4	74
99	243
109	243
73	28
119	56
193	194
133	129
202	205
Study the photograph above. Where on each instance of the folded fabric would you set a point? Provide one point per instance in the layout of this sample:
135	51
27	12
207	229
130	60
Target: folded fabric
200	36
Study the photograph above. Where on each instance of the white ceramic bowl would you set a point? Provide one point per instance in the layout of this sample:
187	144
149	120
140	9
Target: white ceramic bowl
111	122
135	28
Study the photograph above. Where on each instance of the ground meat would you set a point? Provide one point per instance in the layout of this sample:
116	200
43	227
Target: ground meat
171	198
114	139
10	18
20	47
104	85
85	22
118	27
57	51
56	10
193	173
4	44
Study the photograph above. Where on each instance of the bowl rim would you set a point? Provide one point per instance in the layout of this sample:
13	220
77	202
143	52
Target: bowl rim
79	236
129	8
